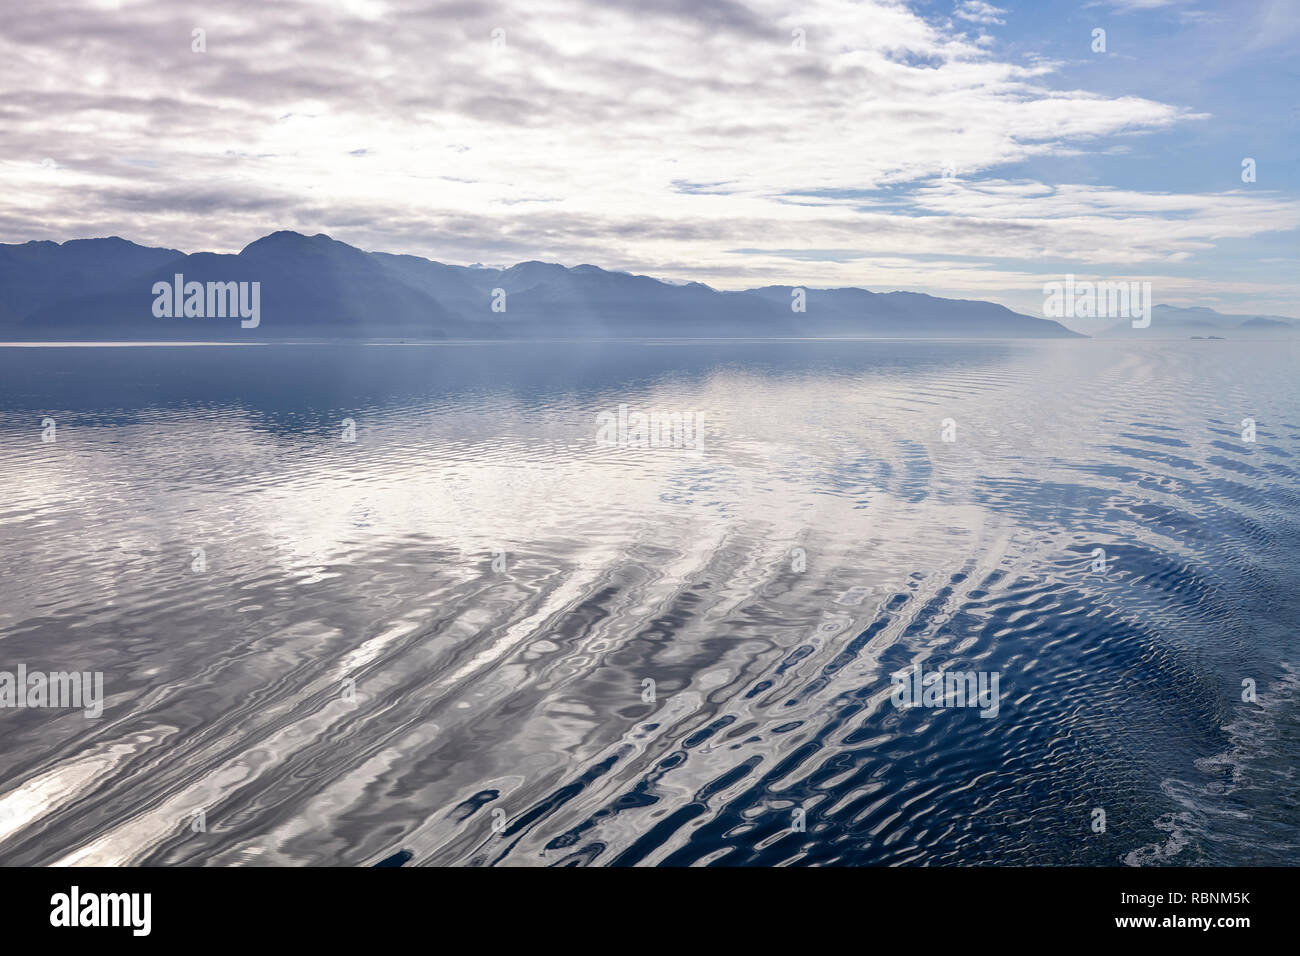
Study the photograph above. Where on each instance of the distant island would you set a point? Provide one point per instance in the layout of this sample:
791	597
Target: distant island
316	288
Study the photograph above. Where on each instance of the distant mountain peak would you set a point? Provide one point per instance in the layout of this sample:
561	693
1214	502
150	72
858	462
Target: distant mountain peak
288	238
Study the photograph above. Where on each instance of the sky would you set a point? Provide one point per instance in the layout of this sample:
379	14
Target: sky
967	149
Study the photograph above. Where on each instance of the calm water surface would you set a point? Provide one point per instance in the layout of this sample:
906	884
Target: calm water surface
439	637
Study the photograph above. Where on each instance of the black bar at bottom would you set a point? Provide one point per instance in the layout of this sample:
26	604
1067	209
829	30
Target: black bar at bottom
367	906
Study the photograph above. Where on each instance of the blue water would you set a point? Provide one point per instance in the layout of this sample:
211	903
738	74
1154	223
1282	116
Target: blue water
476	635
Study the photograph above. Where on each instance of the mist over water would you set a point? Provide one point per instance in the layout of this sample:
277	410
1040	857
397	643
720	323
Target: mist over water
499	586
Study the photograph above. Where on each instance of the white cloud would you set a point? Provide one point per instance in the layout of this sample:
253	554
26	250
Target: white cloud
1128	6
646	135
976	11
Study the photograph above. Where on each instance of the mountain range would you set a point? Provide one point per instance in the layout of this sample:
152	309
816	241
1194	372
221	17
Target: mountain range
317	288
1177	321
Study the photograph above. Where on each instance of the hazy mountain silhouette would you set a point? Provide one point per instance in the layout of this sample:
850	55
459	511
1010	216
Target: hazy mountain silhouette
1179	322
844	311
314	287
35	274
